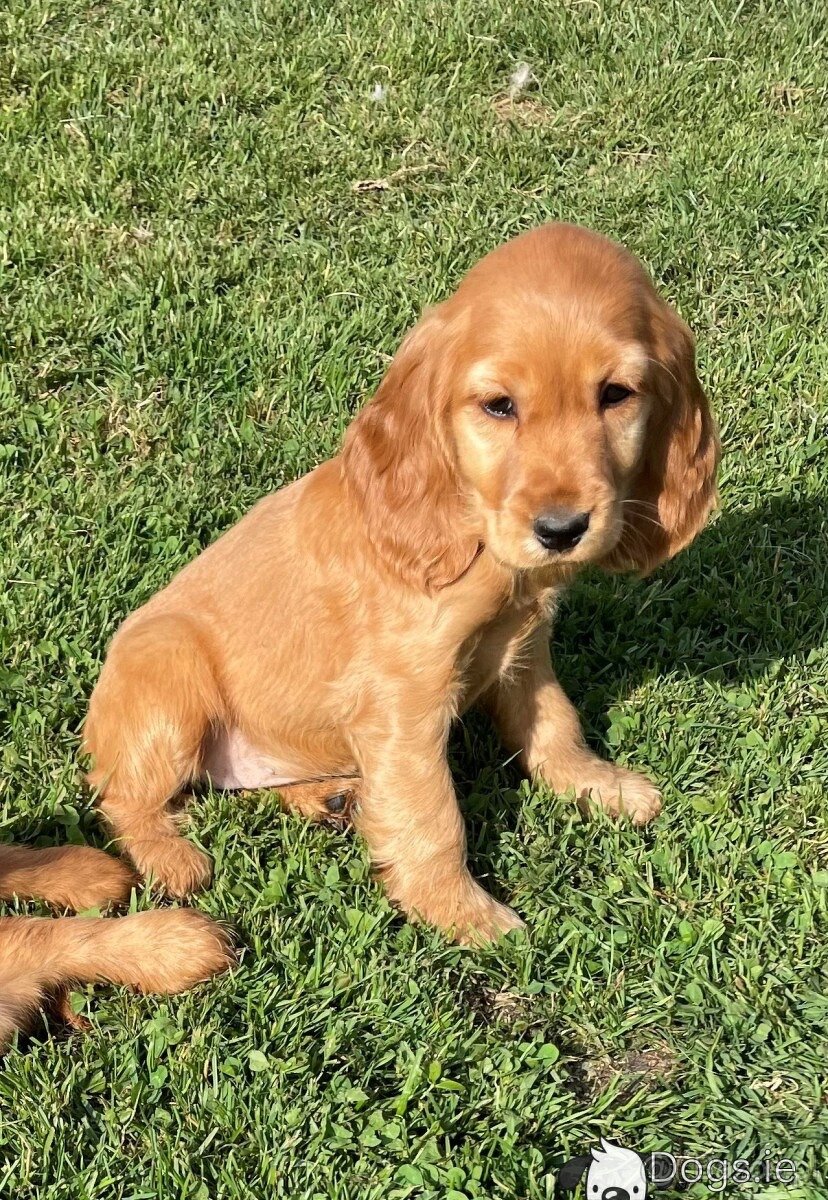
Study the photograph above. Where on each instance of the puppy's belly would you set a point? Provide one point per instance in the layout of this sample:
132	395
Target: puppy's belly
232	763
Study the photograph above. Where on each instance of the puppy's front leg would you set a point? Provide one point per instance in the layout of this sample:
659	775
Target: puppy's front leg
409	816
535	718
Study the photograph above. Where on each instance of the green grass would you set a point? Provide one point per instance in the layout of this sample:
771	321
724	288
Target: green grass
195	299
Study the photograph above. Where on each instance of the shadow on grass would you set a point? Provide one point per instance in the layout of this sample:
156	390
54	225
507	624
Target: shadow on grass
752	591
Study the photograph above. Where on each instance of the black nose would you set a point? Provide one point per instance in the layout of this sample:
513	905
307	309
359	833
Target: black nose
615	1193
560	528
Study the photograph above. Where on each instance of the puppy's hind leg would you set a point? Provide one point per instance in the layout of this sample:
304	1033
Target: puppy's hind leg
332	799
148	718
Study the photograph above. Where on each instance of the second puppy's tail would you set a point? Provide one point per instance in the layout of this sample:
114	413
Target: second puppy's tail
167	950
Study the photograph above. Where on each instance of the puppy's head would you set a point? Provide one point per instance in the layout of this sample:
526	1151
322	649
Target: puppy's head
550	410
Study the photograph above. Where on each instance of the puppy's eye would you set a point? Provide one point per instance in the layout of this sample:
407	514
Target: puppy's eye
501	406
614	393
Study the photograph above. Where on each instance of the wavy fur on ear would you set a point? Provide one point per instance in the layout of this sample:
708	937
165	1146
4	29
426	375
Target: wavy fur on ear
398	463
675	489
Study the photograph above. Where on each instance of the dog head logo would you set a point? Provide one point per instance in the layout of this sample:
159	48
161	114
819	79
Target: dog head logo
613	1173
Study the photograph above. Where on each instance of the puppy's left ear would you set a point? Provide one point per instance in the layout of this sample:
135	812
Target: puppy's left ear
398	463
570	1173
675	489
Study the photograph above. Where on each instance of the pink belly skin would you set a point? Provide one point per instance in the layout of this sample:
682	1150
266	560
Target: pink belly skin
231	763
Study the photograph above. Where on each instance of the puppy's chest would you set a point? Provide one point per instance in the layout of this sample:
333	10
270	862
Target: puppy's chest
497	647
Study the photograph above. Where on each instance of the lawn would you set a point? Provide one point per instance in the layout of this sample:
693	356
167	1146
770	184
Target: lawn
214	229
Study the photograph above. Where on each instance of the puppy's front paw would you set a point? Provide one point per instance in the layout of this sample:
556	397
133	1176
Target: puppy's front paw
622	793
457	905
487	923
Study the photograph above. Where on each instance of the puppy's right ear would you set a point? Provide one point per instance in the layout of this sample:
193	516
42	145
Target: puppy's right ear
398	464
570	1173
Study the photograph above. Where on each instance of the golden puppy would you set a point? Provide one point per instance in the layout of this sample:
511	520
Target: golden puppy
40	957
546	416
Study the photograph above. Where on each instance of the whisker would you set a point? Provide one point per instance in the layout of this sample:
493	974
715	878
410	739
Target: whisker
642	504
642	516
649	520
664	368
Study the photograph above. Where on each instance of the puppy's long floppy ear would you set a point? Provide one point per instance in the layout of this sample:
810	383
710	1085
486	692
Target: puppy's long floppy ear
675	489
398	462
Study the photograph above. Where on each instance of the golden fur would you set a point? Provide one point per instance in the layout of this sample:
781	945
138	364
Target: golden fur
40	958
346	620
